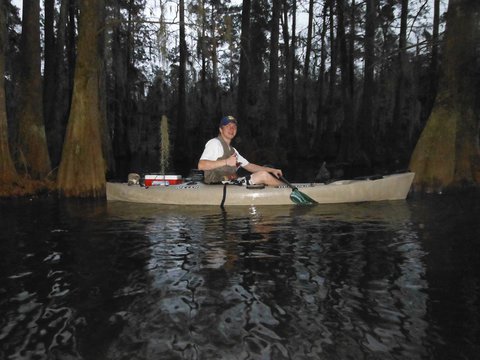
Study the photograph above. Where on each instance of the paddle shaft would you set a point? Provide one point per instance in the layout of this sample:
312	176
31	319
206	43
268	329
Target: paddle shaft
288	183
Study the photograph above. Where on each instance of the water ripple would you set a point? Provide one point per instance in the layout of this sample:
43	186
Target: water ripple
363	281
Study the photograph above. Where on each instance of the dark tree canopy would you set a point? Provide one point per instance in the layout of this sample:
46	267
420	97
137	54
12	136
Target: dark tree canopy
339	81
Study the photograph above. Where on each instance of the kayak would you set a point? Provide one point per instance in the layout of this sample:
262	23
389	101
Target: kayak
375	188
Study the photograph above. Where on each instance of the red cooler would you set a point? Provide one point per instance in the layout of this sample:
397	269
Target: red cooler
162	180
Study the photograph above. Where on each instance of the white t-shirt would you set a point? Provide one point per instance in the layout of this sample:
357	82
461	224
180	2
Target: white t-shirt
214	150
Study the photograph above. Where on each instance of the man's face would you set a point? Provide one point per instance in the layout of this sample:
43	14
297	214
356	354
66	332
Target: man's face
229	131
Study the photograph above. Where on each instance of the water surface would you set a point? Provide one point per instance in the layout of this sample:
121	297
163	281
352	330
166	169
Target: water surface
389	280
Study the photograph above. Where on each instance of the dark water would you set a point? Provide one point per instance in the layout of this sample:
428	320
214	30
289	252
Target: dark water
395	280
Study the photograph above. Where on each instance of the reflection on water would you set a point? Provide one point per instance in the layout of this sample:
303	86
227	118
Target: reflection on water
395	280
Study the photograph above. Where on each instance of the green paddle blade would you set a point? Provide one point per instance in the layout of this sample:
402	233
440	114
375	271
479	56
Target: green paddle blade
297	196
300	198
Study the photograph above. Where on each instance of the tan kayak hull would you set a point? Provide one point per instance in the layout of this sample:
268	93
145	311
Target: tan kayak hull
390	187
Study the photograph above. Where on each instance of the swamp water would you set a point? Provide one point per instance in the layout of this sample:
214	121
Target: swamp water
389	280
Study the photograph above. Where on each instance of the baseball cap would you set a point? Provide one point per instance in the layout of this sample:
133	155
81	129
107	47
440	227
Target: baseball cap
227	120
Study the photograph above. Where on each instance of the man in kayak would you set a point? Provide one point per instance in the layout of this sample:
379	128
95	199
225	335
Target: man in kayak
220	160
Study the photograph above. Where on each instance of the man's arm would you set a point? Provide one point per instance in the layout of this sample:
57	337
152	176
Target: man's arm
212	164
208	160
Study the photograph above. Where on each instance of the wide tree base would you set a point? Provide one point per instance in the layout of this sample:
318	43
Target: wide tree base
447	154
27	187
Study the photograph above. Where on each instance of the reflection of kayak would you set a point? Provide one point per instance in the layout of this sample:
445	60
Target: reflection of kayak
388	212
389	187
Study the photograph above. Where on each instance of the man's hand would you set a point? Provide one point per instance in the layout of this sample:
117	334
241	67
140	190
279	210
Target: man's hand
232	160
275	172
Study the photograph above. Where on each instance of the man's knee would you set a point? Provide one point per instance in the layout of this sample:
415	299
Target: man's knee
258	177
263	177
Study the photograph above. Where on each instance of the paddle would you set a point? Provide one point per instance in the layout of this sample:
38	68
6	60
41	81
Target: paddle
297	196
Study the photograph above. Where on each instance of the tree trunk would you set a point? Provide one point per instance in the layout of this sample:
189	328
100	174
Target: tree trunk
82	169
214	50
351	49
32	141
105	129
367	106
348	140
258	49
202	45
306	69
435	45
120	141
329	143
398	138
242	96
56	85
180	130
447	154
273	85
289	45
8	173
321	118
71	41
432	91
49	81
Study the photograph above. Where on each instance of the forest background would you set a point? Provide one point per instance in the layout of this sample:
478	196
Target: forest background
346	82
